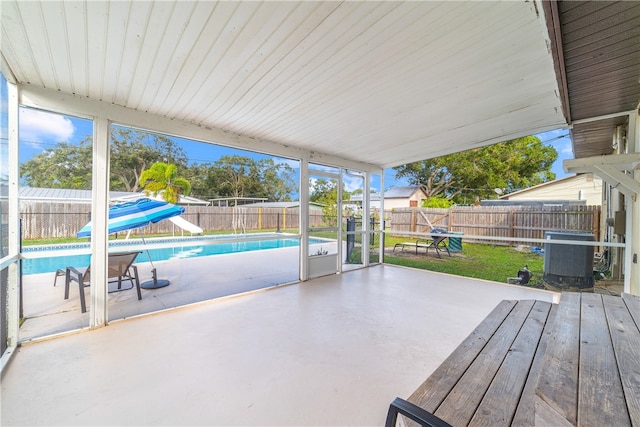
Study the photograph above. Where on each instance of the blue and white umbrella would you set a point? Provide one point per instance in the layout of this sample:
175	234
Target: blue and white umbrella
138	213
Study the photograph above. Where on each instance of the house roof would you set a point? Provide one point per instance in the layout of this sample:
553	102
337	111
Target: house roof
401	192
64	194
84	196
286	205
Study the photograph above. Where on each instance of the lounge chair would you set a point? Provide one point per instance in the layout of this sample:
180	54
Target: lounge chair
438	243
413	245
120	268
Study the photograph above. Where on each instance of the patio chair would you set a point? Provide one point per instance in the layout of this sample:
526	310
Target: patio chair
120	268
438	243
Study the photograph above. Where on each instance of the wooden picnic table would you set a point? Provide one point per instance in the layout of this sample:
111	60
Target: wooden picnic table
528	363
591	374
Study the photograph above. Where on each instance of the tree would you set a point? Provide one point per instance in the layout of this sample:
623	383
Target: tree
131	151
162	178
64	166
242	176
509	166
238	176
325	192
277	180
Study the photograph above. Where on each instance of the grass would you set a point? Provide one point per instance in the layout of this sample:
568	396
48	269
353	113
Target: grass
489	262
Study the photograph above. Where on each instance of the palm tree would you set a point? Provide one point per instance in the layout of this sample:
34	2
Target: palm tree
161	178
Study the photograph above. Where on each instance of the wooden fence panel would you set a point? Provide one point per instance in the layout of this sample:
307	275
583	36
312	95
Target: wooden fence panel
63	220
418	219
51	220
500	221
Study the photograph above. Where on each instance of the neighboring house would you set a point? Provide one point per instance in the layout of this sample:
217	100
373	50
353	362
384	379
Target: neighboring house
395	197
585	188
66	195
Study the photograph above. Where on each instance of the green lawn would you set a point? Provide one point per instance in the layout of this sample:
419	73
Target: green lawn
480	261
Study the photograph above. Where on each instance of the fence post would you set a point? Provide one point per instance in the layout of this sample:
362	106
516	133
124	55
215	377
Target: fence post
412	226
511	226
595	210
284	221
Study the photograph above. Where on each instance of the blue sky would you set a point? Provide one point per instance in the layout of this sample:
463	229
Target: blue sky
41	130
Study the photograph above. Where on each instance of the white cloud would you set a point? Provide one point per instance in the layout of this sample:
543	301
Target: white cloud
564	147
37	127
352	183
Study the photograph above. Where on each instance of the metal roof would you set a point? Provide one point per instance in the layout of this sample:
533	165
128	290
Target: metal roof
68	195
380	83
285	205
62	195
401	192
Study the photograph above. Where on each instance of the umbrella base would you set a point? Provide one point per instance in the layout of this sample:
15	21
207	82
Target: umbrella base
154	284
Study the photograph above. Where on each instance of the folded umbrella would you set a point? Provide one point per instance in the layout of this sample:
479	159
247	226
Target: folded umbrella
135	214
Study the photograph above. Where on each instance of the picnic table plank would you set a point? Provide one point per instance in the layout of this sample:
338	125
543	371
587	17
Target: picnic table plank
501	400
625	336
556	399
434	389
600	396
525	414
461	403
633	305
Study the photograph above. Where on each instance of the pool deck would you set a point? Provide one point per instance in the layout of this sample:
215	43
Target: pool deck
193	280
331	351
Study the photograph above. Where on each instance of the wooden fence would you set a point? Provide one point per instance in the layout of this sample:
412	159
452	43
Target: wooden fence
507	221
63	220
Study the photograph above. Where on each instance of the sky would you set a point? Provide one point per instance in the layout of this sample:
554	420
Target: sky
41	130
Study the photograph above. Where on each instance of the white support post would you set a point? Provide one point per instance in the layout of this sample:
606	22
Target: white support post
98	314
382	218
304	218
13	282
632	253
366	219
339	220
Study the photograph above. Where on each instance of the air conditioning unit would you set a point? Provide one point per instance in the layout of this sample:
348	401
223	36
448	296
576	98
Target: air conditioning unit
566	265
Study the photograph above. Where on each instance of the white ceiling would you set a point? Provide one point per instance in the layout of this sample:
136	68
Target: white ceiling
385	83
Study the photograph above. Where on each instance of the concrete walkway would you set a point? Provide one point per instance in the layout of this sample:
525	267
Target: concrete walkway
331	351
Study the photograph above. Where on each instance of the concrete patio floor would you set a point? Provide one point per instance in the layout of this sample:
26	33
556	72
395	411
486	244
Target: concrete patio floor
330	351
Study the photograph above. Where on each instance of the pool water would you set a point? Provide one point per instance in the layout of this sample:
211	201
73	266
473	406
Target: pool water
179	251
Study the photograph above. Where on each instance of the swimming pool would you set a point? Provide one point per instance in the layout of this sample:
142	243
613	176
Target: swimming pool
181	249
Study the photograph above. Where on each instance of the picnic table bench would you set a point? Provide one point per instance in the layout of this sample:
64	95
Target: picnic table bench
536	363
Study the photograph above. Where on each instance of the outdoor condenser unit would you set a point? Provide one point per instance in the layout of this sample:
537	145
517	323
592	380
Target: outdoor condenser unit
566	265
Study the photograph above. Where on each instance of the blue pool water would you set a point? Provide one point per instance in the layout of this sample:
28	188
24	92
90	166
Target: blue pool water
180	250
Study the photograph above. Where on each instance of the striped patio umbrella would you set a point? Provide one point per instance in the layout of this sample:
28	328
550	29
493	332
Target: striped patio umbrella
138	213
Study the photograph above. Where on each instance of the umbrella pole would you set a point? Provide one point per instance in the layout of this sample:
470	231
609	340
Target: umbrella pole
154	283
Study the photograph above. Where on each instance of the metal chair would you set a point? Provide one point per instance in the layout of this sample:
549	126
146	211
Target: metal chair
120	267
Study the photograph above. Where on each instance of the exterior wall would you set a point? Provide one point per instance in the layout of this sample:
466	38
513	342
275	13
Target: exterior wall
405	202
581	187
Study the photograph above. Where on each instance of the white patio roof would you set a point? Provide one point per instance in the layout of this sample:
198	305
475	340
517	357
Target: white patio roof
379	83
